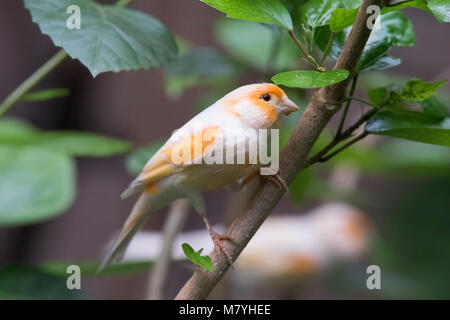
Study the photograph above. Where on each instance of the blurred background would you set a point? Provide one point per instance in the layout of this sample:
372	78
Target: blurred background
399	189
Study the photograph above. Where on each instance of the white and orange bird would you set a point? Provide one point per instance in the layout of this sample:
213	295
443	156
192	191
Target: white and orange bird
254	106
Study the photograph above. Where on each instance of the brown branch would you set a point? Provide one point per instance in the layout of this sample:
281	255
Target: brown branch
339	150
321	155
323	105
347	106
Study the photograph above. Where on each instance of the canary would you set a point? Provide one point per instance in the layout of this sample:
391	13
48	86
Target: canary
191	160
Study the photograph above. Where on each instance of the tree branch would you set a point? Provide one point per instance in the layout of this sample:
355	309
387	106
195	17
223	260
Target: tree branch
347	106
323	105
178	214
321	155
31	81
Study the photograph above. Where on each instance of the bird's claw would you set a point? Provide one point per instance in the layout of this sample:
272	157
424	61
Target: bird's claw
217	240
278	181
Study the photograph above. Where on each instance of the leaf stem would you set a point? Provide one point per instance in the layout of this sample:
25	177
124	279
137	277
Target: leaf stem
311	39
123	3
322	154
307	56
362	101
32	80
345	146
327	48
347	105
39	74
397	3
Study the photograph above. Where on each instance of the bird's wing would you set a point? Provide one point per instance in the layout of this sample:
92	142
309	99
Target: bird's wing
175	155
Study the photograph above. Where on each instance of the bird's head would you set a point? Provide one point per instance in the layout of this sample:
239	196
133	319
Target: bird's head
260	103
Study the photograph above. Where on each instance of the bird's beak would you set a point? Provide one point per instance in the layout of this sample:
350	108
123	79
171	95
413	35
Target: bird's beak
288	106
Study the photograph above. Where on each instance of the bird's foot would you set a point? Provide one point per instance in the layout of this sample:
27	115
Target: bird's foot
278	181
218	244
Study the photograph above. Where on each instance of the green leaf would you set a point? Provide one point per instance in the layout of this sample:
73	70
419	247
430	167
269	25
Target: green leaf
80	144
23	283
253	47
265	11
90	268
46	94
317	13
73	143
13	130
196	67
420	4
137	159
378	63
418	90
396	31
35	184
309	79
110	38
342	18
196	257
350	4
440	9
411	125
379	95
434	107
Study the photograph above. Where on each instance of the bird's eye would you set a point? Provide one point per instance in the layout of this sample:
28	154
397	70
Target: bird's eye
266	97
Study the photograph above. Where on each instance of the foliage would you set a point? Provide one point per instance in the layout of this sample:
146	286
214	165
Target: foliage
266	11
309	79
37	172
26	283
111	38
197	258
411	125
281	40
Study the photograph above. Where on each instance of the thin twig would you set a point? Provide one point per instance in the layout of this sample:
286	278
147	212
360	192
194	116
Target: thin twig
347	105
338	139
293	159
307	56
123	3
327	48
397	3
350	97
345	146
32	80
175	220
39	74
338	150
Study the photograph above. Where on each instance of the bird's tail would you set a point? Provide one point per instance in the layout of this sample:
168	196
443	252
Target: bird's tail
140	213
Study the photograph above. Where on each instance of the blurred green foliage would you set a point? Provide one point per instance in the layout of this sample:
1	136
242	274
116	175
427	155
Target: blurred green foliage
113	39
37	171
26	283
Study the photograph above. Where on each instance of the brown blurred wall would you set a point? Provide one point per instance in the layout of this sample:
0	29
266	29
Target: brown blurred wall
132	106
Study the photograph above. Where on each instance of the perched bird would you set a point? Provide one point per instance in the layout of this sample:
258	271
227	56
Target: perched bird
182	167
